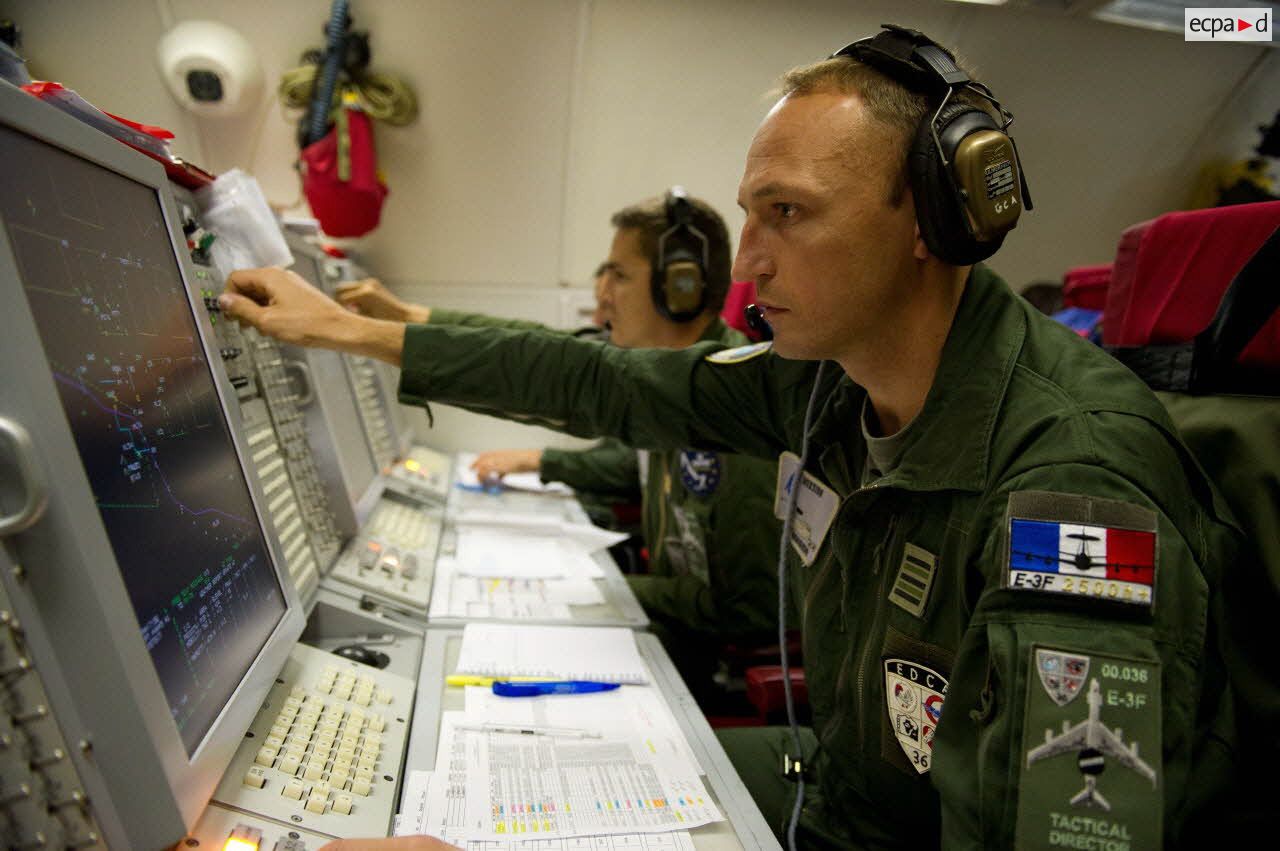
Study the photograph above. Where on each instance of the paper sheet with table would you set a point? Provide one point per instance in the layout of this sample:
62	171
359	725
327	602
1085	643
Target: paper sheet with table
410	822
618	764
532	569
458	595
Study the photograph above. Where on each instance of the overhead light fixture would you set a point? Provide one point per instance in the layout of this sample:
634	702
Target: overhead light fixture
1166	15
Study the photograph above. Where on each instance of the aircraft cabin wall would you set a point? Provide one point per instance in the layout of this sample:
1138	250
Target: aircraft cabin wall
538	120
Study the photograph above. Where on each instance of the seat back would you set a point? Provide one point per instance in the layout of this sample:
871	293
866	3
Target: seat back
1206	288
1086	287
1170	275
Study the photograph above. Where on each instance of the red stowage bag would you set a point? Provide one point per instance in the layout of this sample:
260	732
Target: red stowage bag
1086	286
1171	272
351	206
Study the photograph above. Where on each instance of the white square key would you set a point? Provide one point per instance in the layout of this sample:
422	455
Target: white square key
342	804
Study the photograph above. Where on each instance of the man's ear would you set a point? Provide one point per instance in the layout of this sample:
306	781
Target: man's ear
919	250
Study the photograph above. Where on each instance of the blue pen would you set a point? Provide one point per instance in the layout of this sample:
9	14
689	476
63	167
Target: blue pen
489	488
509	689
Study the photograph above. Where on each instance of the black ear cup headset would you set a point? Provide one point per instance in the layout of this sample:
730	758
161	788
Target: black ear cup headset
679	282
965	175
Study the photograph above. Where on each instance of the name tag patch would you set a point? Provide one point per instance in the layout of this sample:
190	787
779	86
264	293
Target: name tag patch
1056	553
816	507
1091	769
914	695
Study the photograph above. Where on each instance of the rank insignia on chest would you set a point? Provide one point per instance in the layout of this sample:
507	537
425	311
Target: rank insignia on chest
700	471
914	695
1096	549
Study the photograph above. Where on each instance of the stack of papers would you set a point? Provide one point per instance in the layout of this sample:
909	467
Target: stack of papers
488	551
602	654
457	595
612	766
412	821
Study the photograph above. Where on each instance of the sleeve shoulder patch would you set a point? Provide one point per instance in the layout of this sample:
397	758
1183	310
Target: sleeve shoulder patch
740	353
1086	547
1086	712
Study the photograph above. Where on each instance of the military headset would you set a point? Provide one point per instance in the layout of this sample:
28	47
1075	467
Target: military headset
963	167
679	280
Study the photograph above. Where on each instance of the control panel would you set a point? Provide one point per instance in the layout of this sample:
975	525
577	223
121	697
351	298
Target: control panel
273	422
373	398
424	472
282	503
374	409
393	557
43	802
326	751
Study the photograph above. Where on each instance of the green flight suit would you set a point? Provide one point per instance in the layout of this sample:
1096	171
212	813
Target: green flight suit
1023	420
708	525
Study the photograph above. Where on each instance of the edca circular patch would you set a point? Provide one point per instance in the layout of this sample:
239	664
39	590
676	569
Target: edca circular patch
700	471
740	353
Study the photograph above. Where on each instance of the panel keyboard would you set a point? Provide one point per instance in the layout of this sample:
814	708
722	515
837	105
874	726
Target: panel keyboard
326	750
394	554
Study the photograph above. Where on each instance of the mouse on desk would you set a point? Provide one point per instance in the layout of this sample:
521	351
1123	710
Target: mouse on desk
363	655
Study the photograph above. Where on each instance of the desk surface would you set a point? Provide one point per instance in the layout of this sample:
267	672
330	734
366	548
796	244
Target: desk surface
745	827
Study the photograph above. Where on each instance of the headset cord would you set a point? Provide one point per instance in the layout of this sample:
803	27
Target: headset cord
789	516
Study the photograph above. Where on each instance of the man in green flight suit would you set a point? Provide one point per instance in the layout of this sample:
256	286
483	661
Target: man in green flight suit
1006	565
708	516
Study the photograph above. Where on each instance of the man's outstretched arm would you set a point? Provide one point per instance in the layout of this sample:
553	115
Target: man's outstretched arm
649	398
281	304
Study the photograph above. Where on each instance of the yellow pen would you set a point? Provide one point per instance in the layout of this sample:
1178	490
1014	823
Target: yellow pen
474	680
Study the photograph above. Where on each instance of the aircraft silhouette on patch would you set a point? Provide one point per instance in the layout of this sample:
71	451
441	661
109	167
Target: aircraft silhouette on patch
1093	742
1080	559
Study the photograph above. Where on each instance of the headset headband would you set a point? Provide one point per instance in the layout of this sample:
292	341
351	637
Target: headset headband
680	218
919	63
910	57
679	284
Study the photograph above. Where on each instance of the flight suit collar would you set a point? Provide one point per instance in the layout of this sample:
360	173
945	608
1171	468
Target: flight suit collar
949	445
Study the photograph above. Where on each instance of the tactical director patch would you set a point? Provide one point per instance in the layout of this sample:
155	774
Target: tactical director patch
1091	773
1082	546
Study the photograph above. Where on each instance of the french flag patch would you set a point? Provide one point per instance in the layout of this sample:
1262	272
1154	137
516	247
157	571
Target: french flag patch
1099	562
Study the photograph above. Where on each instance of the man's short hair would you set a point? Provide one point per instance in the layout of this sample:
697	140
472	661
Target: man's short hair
649	220
888	101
